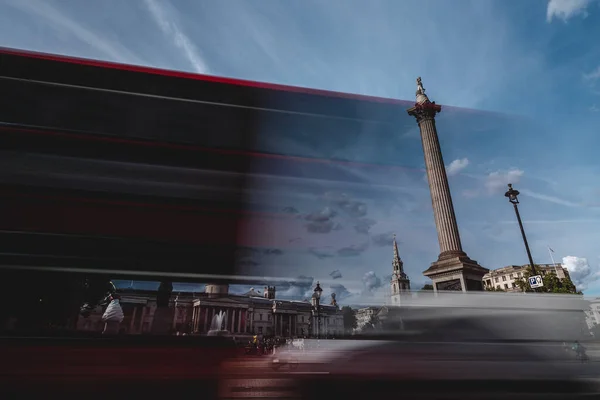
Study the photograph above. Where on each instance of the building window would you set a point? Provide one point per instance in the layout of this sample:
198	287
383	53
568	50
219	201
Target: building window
497	286
496	279
260	317
260	330
511	276
503	278
269	317
505	286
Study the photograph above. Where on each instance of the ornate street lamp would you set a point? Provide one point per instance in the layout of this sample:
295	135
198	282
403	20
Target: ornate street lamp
513	198
317	304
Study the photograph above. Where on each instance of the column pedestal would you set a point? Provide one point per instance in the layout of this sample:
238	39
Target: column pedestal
456	273
163	321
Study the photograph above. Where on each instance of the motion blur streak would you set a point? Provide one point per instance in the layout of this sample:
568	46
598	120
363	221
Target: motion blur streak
173	276
481	345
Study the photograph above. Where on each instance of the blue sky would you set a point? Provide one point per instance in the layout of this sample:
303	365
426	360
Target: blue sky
531	69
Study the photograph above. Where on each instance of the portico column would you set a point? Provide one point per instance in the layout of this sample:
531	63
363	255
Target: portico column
239	327
132	324
281	324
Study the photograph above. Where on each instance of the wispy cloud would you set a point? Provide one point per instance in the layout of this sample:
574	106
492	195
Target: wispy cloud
591	79
456	166
494	182
44	12
566	9
592	75
498	181
175	33
551	199
554	221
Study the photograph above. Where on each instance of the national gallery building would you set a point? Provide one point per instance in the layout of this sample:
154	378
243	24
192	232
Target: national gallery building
252	313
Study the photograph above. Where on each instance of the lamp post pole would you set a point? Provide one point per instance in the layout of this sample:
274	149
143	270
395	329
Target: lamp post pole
512	196
317	302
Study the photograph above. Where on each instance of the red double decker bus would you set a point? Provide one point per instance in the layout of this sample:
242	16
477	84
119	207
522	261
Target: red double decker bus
107	164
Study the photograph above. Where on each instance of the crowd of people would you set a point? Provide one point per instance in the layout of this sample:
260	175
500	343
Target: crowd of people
266	345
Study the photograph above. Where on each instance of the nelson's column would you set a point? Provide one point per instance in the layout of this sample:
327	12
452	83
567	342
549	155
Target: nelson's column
453	270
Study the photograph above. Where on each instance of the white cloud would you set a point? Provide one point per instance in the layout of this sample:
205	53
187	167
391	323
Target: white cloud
566	9
498	181
593	75
581	272
174	32
456	166
592	78
594	108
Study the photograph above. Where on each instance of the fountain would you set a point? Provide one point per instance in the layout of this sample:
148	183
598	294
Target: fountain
216	325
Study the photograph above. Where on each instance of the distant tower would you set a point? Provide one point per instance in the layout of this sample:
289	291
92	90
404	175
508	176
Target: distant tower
400	283
453	270
333	300
269	292
216	290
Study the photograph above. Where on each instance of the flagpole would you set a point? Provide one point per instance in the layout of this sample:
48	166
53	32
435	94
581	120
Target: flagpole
553	262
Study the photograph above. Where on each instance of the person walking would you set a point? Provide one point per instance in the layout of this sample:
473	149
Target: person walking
113	316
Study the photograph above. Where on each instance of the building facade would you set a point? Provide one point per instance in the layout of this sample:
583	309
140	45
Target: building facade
592	315
364	316
505	278
252	313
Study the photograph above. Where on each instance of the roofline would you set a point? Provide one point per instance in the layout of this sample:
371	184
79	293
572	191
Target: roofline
199	77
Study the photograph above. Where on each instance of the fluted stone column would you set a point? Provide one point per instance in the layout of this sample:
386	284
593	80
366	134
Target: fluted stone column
453	270
441	199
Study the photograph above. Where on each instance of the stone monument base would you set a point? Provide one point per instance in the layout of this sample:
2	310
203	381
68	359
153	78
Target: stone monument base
456	273
162	323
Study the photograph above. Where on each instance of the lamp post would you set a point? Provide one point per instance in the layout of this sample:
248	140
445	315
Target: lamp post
512	195
317	304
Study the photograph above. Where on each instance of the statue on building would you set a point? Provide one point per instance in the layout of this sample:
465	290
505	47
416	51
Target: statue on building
420	88
269	292
333	300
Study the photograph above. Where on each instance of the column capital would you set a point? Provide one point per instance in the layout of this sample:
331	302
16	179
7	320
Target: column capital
424	111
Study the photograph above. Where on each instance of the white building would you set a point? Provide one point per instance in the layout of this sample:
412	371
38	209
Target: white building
592	316
364	316
505	278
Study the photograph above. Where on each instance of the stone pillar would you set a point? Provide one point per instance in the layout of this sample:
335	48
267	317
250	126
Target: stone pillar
441	199
206	327
132	322
239	325
234	315
453	270
200	318
162	320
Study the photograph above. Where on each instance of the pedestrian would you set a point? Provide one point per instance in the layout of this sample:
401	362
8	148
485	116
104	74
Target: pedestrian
113	316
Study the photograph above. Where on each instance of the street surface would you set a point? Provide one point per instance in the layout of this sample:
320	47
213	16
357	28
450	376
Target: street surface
254	377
